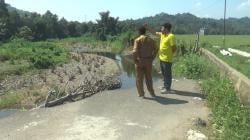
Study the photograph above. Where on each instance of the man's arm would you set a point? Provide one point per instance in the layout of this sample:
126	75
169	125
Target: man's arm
155	48
151	30
135	51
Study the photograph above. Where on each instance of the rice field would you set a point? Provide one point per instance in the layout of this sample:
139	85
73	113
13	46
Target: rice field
240	42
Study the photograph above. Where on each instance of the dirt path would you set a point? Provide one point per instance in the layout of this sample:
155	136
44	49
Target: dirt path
112	115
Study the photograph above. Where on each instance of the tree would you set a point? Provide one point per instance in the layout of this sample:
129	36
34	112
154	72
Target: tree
26	33
106	25
4	21
61	29
73	31
51	21
14	22
84	28
39	28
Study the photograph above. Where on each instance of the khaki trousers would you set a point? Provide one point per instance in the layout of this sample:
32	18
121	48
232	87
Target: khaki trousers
143	70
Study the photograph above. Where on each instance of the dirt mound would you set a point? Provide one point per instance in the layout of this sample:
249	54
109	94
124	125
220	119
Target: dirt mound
64	79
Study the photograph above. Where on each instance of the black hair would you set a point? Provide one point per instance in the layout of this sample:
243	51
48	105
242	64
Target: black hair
167	25
142	30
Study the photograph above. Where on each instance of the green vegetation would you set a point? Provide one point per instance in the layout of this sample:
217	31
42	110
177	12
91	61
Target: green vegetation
229	116
241	42
191	66
36	27
10	100
20	56
238	62
187	23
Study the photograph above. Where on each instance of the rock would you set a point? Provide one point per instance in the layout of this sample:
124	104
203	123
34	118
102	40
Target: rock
197	98
225	52
195	135
200	122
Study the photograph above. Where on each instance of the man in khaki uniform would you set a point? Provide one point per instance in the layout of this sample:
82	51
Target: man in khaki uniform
144	52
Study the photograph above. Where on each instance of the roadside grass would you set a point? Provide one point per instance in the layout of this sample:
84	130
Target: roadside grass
23	98
230	118
10	100
240	42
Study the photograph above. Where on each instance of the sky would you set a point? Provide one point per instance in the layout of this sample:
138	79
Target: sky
88	10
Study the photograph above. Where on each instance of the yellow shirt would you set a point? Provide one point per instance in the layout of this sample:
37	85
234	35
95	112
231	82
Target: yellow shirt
166	46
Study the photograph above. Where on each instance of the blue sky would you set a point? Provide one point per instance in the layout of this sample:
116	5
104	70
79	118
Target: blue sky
85	10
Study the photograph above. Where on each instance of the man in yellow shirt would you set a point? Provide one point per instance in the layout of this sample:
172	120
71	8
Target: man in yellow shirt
144	52
166	52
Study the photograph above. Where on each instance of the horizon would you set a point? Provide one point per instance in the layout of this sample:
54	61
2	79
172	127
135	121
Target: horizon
90	11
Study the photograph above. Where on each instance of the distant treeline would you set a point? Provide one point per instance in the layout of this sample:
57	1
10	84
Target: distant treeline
187	24
16	23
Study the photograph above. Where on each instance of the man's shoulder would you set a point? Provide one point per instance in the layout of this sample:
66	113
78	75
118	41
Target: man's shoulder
138	38
171	35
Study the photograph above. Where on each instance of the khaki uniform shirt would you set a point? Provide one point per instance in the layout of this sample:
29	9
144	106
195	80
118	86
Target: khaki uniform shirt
144	48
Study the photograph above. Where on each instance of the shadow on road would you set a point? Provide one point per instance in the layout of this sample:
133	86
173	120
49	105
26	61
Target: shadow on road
166	101
186	93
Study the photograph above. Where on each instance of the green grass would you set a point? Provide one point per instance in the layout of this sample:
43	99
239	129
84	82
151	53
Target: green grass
238	62
190	66
19	56
241	42
114	43
10	100
228	114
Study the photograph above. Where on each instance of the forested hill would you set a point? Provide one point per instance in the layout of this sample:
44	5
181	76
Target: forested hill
15	23
187	23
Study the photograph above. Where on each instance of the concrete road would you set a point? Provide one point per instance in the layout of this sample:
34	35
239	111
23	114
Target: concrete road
112	115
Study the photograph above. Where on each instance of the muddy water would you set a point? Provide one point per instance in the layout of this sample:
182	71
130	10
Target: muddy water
5	113
128	72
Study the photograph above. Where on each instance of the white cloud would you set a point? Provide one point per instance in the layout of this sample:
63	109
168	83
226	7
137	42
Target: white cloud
198	4
244	5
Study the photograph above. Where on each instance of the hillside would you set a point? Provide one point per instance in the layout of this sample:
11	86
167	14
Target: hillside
187	23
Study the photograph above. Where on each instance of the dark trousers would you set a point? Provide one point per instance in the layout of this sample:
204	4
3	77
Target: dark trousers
166	70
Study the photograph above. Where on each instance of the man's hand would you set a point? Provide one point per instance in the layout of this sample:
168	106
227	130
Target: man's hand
150	30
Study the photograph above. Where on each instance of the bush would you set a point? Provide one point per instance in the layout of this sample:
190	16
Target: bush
41	55
191	66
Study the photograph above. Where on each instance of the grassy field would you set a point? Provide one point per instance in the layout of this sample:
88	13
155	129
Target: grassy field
113	44
241	42
19	56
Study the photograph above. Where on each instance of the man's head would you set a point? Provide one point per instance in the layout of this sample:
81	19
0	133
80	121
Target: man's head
142	30
166	28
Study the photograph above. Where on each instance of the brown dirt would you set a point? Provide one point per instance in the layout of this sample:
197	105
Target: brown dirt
33	88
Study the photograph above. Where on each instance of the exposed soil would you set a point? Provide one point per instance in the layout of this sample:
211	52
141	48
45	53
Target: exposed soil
33	88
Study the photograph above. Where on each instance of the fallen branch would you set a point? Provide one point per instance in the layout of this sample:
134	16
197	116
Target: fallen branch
84	90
